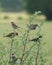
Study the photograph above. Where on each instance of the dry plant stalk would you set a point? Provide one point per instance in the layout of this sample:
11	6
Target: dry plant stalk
37	54
24	48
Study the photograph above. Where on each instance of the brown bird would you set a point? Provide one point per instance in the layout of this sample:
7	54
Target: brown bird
13	58
36	39
14	26
11	35
32	26
13	55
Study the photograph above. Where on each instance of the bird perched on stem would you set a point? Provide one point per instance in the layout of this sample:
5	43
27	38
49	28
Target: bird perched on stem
13	58
11	35
14	26
36	39
32	26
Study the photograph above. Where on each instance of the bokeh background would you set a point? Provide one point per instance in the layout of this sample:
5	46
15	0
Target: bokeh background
30	5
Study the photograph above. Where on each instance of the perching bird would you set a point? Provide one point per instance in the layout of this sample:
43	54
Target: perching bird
36	39
11	35
13	57
14	25
32	26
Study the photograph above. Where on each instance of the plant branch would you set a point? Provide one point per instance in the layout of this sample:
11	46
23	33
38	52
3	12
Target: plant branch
37	54
24	48
11	48
28	51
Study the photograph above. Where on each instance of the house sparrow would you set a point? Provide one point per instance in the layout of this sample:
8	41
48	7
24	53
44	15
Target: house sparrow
14	25
32	26
13	57
11	35
36	39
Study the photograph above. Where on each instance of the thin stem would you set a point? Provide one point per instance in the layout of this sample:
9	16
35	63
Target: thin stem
23	54
28	51
11	48
37	54
24	48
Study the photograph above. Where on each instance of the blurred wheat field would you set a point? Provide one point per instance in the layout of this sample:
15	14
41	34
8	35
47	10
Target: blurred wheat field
21	20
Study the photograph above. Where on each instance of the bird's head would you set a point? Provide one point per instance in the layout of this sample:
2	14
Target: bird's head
36	25
12	22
